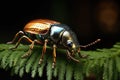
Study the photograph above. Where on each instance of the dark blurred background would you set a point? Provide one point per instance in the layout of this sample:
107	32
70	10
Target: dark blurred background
89	19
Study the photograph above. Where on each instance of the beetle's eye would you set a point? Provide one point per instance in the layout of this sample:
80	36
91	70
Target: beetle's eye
69	43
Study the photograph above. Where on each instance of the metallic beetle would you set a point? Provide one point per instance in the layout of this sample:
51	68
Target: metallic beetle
45	31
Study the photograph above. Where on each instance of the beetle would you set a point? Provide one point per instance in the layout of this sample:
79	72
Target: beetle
45	31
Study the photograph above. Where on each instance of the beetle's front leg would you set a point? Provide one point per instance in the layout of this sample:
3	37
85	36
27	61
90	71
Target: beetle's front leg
43	51
31	48
54	56
69	55
17	34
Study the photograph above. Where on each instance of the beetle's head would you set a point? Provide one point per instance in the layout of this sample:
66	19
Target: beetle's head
70	42
72	47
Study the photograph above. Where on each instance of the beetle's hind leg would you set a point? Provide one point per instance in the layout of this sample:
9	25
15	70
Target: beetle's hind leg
23	37
20	33
31	48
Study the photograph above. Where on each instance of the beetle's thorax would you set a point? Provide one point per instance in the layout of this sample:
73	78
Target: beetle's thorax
56	33
62	34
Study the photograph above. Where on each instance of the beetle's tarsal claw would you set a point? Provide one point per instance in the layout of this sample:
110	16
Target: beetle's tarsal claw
26	54
78	61
12	48
53	65
23	56
9	42
84	56
41	60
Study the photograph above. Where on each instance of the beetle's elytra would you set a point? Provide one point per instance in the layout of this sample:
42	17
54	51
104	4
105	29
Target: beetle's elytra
50	32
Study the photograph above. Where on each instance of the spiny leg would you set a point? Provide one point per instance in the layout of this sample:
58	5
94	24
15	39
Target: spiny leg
17	34
23	37
54	56
43	51
69	55
31	48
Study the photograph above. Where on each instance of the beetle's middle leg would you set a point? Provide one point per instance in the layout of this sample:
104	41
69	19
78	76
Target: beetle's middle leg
54	56
31	48
43	51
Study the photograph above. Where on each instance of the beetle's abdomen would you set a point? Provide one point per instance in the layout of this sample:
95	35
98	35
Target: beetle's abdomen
39	26
56	33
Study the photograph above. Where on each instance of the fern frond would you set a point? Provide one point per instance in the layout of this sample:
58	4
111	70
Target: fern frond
41	68
115	70
21	71
35	67
117	58
78	73
49	69
69	71
30	62
105	72
55	71
103	63
16	69
88	68
61	74
17	58
110	70
4	59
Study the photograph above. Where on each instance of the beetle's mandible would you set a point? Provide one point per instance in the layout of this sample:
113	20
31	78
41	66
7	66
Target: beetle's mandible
45	31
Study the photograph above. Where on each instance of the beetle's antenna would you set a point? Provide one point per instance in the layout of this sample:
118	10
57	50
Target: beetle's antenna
96	41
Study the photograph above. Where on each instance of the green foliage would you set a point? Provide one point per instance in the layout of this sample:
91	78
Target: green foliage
69	72
49	69
102	63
